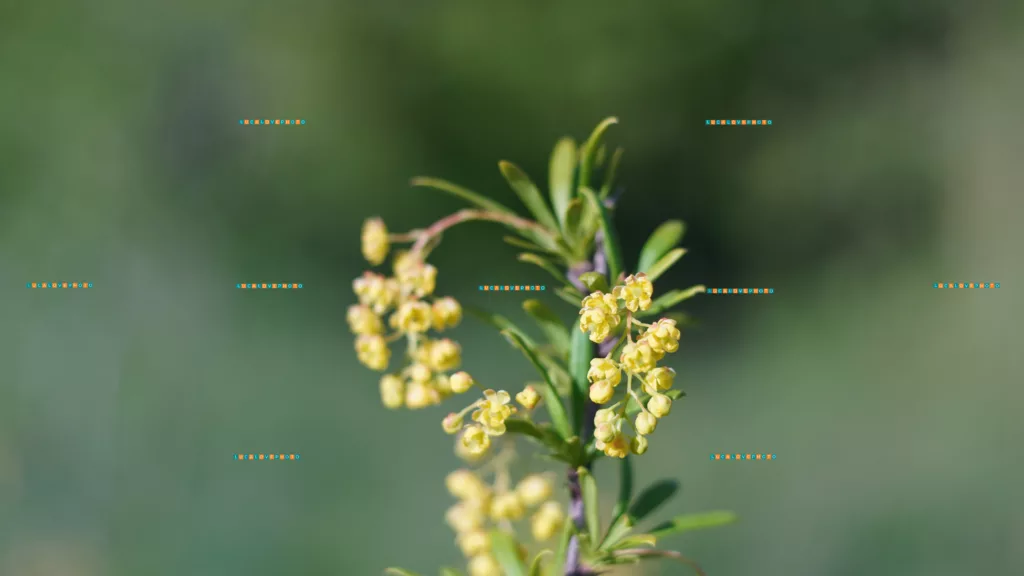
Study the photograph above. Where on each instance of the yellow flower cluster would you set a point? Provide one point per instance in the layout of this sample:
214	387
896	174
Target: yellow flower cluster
482	507
487	419
414	312
600	314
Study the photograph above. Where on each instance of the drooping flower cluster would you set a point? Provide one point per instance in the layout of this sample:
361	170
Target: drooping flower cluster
487	419
414	312
601	314
483	507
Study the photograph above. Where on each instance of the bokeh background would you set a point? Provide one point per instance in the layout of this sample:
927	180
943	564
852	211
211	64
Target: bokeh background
893	162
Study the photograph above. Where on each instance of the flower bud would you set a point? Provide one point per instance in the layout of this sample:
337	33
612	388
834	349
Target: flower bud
645	423
452	423
533	489
460	382
659	405
638	445
601	391
528	398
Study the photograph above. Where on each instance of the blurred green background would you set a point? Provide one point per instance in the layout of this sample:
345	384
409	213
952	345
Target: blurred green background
892	163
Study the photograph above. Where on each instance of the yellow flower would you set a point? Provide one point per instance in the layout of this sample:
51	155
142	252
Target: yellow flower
617	448
604	415
447	313
392	391
659	405
601	391
484	565
474	543
465	517
609	429
443	385
528	398
636	292
659	380
533	489
507	506
416	277
420	395
375	241
604	369
493	412
444	355
376	291
460	382
372	351
547	522
452	423
638	357
598	315
465	485
362	320
645	423
475	440
419	373
663	335
412	316
638	445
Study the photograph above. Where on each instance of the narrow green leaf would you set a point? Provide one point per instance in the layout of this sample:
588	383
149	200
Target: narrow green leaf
400	572
550	324
634	540
537	566
652	497
588	154
591	512
551	399
466	194
446	571
663	239
618	530
506	552
670	299
581	351
568	528
612	250
623	559
560	174
528	193
543	434
632	407
609	175
573	217
500	322
689	522
625	487
527	245
544	263
571	295
666	262
594	281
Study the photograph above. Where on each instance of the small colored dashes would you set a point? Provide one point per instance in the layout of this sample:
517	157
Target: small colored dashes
737	122
966	285
62	285
743	456
266	456
266	286
512	288
277	122
740	291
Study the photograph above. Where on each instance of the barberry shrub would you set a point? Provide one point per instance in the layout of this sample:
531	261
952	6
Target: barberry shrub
602	391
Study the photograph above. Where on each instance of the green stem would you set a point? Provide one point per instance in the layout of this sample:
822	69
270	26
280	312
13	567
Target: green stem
469	214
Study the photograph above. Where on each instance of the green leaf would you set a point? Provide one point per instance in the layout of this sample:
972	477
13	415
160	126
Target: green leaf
445	571
688	522
560	175
625	487
617	531
609	175
551	399
632	407
666	262
571	295
573	214
528	193
635	540
588	154
670	299
568	529
581	351
612	251
591	512
537	566
506	552
652	497
464	193
400	572
550	324
544	263
527	245
594	281
663	239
